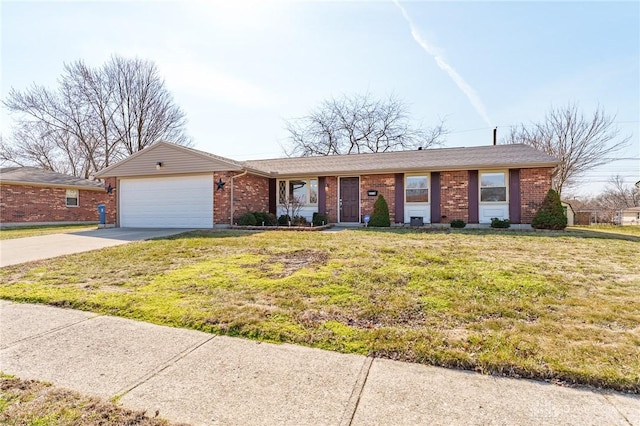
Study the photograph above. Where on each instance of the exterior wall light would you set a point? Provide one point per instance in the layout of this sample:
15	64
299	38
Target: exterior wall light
158	165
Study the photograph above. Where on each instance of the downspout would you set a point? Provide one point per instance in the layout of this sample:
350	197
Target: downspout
233	177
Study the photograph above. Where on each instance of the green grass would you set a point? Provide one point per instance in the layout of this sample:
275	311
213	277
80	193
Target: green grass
547	305
29	402
31	231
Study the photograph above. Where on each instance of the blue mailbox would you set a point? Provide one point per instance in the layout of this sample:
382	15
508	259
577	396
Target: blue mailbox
102	213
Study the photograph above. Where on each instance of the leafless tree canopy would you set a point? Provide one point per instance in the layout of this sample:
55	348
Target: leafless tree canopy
95	117
580	142
358	124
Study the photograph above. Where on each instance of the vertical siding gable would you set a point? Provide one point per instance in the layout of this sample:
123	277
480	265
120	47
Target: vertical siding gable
175	160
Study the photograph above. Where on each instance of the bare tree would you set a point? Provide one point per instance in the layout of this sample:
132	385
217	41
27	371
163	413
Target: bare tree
580	142
617	196
94	117
357	124
144	109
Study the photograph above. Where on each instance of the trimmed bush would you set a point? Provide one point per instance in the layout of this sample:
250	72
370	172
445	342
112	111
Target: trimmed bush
269	219
380	215
300	221
550	215
284	220
319	219
500	223
247	219
457	223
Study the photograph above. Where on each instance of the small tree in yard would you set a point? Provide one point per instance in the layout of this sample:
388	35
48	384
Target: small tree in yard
380	215
550	215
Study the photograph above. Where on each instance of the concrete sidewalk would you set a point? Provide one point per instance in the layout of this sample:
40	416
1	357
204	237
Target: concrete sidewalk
200	378
21	250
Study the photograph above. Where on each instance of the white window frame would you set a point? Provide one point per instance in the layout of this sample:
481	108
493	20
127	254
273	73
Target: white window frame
67	197
307	186
506	186
428	188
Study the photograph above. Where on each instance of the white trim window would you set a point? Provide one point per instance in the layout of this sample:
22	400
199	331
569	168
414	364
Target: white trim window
493	187
416	189
72	198
304	190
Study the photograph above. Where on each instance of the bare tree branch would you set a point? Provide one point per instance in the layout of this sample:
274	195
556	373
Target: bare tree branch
581	143
95	116
357	124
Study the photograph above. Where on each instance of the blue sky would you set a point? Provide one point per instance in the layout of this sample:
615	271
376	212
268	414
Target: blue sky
240	68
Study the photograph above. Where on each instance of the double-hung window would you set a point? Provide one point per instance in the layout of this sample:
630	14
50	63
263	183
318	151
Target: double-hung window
493	187
417	189
72	197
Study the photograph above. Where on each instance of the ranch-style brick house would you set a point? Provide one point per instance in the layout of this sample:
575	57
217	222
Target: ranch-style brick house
33	196
167	185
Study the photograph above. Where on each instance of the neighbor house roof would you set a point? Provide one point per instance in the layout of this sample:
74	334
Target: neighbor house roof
632	209
41	177
435	159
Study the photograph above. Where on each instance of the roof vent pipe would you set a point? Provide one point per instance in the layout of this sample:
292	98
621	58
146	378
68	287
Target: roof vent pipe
495	136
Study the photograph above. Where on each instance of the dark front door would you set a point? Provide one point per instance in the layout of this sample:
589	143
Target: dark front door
349	199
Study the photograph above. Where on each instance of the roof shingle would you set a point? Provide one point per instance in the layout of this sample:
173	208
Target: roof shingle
38	176
435	159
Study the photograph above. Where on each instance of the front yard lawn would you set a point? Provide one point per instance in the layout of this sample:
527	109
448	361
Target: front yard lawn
31	231
555	306
613	229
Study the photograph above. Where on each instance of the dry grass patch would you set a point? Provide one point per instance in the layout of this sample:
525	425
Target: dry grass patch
32	231
29	402
560	306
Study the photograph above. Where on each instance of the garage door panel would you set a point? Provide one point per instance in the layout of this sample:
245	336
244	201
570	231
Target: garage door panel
180	202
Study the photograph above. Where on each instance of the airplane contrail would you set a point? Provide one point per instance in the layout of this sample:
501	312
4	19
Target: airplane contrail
457	78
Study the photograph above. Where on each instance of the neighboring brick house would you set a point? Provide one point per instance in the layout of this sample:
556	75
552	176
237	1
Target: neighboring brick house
168	185
29	195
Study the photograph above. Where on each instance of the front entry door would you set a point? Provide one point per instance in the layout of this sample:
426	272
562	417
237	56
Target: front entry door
349	199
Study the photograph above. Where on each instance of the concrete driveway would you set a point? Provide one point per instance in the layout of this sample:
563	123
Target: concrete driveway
21	250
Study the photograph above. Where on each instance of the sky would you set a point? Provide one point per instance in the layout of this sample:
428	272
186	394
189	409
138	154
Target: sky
241	68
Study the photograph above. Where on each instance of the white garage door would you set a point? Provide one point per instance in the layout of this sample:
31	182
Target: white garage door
167	202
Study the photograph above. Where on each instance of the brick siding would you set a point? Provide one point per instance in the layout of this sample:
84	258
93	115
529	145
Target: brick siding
454	195
385	185
331	185
534	185
250	194
111	201
30	204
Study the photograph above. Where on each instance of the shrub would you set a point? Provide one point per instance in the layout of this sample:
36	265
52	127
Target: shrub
380	215
247	219
319	219
500	223
284	220
269	219
457	223
300	221
550	215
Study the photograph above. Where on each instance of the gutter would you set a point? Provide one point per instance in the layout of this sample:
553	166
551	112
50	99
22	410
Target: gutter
232	207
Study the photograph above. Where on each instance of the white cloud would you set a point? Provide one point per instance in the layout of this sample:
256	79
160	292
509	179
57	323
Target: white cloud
471	94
